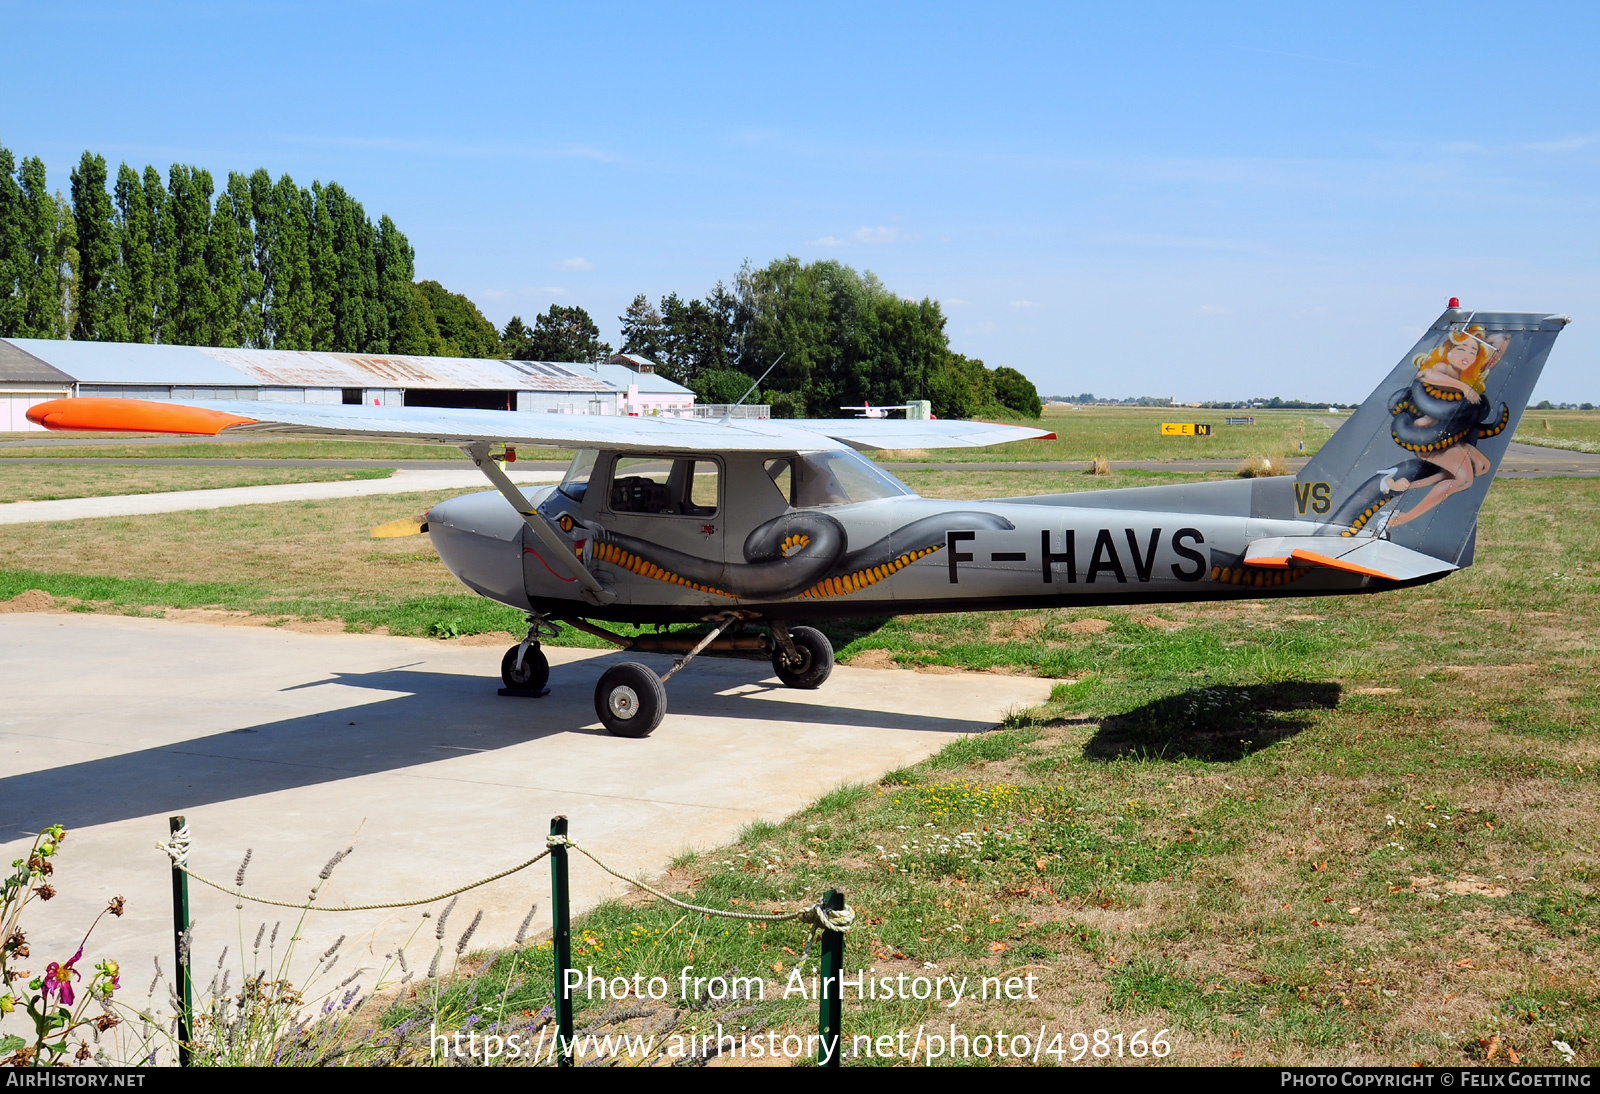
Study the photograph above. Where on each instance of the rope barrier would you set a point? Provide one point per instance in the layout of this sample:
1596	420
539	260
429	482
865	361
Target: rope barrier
172	853
817	917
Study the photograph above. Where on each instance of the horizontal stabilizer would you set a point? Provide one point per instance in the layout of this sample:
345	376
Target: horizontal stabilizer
1356	555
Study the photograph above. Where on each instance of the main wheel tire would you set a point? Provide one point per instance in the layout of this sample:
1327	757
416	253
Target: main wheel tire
630	700
532	676
816	659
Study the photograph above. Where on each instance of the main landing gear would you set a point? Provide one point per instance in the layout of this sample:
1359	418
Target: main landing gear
630	699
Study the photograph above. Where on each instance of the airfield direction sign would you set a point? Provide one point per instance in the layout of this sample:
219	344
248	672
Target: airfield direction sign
1185	429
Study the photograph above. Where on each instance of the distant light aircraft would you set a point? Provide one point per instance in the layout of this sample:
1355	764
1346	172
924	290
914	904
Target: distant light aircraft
867	410
748	522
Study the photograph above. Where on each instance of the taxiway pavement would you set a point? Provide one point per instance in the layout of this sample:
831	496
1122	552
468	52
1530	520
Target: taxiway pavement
297	745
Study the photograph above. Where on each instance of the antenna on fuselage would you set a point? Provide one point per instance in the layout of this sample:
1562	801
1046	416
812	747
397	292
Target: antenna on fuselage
728	417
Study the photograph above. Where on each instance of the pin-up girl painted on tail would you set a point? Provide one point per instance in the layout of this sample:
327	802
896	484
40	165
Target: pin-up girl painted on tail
1443	414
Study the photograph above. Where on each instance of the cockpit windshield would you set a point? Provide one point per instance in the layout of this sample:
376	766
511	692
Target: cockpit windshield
839	478
576	482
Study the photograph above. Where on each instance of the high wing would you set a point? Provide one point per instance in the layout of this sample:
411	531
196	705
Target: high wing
460	426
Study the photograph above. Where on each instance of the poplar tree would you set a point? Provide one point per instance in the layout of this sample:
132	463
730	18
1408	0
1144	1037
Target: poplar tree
163	246
245	271
48	235
222	275
396	267
11	265
189	209
101	312
137	258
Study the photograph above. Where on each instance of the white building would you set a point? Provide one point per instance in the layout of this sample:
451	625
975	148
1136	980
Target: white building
33	370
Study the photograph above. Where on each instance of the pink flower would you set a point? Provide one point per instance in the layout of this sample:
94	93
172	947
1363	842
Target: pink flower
58	980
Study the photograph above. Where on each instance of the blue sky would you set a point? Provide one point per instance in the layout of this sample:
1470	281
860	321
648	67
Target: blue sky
1204	202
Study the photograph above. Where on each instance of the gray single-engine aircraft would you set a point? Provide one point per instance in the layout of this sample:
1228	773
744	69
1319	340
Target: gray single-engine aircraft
743	522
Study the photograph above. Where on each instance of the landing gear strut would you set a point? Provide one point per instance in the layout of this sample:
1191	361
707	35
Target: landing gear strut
802	657
524	669
630	699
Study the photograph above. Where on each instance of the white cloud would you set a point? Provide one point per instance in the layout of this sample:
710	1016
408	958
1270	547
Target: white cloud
574	264
864	235
1213	309
1023	305
880	234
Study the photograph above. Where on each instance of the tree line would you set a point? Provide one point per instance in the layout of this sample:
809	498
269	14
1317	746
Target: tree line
270	264
832	337
255	263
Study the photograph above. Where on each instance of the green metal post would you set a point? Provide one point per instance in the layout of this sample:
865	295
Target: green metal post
180	954
561	912
830	1019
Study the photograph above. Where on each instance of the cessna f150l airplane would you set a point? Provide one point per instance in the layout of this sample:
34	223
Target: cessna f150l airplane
745	522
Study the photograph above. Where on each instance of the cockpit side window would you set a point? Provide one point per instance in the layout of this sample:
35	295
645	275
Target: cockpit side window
662	485
839	478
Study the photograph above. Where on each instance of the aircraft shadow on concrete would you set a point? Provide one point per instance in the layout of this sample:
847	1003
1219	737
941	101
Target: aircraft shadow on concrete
1215	724
442	715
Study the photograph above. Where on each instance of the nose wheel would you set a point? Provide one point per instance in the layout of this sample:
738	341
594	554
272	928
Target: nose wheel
801	656
525	668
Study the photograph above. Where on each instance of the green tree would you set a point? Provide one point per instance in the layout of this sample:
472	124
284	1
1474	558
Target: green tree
193	305
567	334
11	253
696	337
418	330
222	275
641	329
249	307
724	385
101	314
463	331
137	256
163	251
47	252
1015	391
516	340
395	272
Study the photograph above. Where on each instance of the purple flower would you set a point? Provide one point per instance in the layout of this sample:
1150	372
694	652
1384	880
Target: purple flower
58	980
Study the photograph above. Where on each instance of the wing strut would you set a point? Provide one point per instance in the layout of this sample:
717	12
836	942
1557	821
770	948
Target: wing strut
547	533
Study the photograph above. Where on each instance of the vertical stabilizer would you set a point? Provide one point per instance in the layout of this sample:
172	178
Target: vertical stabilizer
1414	461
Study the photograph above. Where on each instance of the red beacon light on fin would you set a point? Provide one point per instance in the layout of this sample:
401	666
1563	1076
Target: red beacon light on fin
1455	301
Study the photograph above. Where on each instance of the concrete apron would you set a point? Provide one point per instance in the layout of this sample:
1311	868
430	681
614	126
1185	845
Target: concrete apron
296	745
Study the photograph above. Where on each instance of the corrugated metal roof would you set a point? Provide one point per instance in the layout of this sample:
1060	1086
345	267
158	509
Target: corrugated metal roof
17	366
127	363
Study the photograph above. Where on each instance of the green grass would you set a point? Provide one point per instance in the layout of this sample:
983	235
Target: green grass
1574	430
47	482
1130	433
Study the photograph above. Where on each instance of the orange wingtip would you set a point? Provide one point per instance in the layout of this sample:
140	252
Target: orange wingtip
1340	564
1277	563
93	413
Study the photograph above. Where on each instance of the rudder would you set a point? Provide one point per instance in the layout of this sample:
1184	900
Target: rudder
1413	462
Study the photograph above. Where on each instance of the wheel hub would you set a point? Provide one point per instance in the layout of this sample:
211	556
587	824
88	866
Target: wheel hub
624	702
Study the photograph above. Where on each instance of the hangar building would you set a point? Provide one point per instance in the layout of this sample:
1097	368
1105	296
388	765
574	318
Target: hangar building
33	370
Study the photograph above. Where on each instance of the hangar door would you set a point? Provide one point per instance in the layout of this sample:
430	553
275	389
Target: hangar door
14	409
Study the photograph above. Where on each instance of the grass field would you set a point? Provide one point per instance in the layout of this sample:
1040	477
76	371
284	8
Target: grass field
1576	430
36	482
1357	830
265	448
